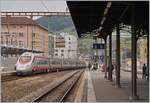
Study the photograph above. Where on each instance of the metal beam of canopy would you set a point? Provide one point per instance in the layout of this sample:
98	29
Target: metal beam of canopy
87	15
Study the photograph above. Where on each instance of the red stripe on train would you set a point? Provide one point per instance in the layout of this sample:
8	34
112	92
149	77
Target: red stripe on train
23	62
39	68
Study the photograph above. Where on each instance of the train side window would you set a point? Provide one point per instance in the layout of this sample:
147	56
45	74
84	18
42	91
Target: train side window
45	62
34	61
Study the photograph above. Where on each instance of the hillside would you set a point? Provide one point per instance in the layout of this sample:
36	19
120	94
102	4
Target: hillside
58	23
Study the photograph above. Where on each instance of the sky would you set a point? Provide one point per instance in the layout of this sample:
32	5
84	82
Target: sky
33	5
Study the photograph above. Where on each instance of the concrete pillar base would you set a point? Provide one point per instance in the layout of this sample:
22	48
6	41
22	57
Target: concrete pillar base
110	80
132	98
117	86
105	77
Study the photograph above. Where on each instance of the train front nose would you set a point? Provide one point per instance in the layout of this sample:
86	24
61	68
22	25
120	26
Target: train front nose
23	69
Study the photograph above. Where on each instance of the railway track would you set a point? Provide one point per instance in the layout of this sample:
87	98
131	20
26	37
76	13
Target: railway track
56	91
8	76
26	85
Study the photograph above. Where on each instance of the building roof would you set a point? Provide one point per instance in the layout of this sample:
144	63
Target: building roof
20	20
17	20
103	16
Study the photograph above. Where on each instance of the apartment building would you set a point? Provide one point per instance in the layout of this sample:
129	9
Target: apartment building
23	32
65	46
51	44
142	45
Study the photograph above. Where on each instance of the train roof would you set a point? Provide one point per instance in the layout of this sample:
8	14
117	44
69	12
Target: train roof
32	54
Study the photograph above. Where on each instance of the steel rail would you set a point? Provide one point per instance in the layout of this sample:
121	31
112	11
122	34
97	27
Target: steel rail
5	76
70	88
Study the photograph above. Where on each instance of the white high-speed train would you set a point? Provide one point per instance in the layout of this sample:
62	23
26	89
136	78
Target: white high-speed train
30	63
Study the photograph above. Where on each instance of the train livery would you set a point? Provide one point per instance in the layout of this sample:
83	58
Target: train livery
30	63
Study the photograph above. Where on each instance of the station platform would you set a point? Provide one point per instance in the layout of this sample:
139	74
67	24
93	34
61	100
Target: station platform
100	89
103	90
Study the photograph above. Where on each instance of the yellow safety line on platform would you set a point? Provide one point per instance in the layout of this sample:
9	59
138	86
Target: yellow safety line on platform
80	91
90	93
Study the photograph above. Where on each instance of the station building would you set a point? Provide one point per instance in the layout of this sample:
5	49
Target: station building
23	32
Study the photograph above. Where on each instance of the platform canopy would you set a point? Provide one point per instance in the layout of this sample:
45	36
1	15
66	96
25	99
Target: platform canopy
102	16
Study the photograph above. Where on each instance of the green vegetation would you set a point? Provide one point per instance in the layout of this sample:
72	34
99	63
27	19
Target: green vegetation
85	46
58	24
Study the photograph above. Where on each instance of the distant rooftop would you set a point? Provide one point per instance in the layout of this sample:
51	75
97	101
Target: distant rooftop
19	20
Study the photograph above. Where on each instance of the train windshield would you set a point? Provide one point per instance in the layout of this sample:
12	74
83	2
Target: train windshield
25	59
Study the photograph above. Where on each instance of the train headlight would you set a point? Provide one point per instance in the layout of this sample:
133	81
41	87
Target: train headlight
27	66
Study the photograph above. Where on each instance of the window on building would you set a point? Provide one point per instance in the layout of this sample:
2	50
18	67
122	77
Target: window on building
21	35
14	43
33	34
13	33
2	40
11	41
56	54
7	41
34	43
62	50
6	33
62	54
20	43
56	50
69	42
69	38
21	26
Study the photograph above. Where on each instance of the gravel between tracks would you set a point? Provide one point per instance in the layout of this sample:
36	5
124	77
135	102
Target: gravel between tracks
56	94
16	89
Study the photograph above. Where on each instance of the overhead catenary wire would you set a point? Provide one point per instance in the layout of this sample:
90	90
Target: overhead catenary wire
44	5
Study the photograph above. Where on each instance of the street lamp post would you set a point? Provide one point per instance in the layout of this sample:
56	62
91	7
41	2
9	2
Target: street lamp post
62	60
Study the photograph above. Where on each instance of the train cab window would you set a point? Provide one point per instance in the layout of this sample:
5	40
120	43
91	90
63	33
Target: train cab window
25	59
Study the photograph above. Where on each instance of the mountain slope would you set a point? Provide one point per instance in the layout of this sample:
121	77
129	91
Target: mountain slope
57	23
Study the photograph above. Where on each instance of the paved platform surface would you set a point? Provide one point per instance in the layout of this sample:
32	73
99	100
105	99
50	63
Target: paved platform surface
106	91
142	85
